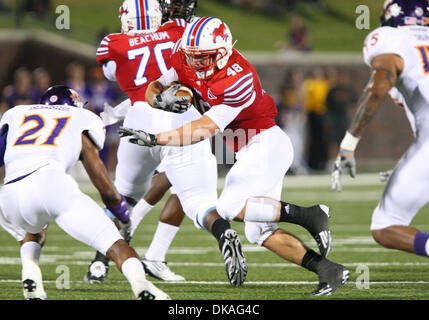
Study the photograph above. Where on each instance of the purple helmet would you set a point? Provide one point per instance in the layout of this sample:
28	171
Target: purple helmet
405	12
61	95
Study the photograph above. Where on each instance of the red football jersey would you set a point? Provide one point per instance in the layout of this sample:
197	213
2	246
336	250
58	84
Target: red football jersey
141	58
234	85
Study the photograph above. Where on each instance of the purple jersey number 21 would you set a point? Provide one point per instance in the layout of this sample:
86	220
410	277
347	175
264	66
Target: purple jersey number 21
26	139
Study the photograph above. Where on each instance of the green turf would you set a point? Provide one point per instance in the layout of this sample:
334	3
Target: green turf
194	254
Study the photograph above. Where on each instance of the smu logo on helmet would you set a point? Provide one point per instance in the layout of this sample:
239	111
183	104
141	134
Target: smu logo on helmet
123	11
220	32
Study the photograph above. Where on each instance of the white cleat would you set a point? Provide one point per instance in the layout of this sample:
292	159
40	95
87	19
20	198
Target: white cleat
160	270
97	272
150	292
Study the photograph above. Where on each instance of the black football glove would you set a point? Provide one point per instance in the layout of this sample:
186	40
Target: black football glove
138	137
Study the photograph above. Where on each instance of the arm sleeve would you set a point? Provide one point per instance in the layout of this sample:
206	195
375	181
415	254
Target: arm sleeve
104	51
241	92
109	70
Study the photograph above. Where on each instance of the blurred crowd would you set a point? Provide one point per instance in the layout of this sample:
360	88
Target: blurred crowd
314	109
29	85
39	8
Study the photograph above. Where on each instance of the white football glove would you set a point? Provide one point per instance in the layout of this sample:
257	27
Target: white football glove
138	137
345	160
168	101
112	115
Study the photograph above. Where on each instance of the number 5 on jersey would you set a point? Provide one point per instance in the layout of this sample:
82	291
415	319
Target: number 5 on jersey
28	136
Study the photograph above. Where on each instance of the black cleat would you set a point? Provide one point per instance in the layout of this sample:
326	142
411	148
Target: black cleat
331	277
145	295
235	262
30	293
318	226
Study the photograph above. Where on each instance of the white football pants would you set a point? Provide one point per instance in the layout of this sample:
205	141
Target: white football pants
192	170
259	171
406	191
50	194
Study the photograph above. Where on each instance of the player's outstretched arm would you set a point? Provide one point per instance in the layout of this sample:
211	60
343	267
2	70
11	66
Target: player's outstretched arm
97	172
190	133
384	72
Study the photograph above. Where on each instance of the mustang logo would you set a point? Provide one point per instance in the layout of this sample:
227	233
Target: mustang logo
220	32
123	11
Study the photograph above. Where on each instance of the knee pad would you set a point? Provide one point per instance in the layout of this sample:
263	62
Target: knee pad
261	210
258	232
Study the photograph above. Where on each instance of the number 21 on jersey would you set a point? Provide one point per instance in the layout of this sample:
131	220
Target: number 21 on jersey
28	137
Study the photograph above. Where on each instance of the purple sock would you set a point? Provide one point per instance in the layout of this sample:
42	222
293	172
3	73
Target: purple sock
120	211
420	243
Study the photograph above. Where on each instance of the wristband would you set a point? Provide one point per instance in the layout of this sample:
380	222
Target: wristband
120	211
349	142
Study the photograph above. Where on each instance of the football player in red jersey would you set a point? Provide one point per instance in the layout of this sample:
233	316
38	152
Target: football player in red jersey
236	104
137	56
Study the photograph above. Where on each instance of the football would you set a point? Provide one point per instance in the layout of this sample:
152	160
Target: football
184	91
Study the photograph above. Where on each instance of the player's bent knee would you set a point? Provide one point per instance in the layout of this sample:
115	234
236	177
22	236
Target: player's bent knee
257	233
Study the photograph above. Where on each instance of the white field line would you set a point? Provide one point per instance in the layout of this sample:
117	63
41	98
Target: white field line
324	180
58	259
358	240
246	284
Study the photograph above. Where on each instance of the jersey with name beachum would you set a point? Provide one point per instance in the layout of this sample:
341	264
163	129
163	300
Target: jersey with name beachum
140	58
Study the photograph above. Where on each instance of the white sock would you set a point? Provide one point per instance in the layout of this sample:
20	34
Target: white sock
30	254
133	270
161	242
139	212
